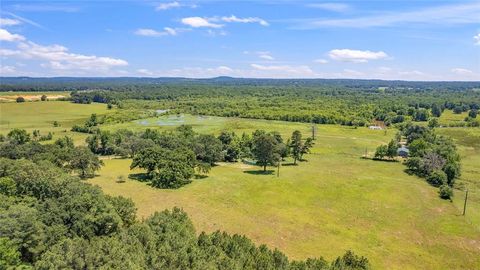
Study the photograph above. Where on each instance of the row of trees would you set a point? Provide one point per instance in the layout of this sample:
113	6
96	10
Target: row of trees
50	219
433	157
172	158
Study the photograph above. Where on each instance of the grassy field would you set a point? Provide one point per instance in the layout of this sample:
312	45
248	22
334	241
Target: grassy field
333	202
450	118
41	115
468	142
31	96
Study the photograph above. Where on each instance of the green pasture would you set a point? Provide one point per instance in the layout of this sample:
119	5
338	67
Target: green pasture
334	201
41	115
468	143
449	118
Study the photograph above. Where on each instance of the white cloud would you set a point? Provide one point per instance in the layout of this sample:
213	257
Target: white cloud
356	56
45	7
214	33
144	71
321	61
477	39
9	22
5	70
197	22
336	7
468	13
266	55
234	18
56	57
7	36
290	70
167	31
411	72
461	71
165	6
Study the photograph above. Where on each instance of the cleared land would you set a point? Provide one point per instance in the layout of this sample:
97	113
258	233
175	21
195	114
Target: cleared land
333	202
31	96
41	115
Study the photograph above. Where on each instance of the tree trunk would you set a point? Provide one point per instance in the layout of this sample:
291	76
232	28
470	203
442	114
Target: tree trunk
264	167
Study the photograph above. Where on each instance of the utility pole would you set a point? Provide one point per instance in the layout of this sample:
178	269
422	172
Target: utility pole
465	203
314	129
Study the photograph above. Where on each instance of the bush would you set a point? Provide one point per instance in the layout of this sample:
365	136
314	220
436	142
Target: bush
445	192
20	99
437	178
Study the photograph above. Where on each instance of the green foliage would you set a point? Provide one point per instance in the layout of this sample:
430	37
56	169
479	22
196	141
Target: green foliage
265	149
7	186
433	123
381	152
445	192
166	168
9	254
84	162
431	156
437	178
18	136
296	145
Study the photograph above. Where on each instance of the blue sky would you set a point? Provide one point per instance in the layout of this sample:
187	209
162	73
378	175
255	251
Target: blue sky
408	40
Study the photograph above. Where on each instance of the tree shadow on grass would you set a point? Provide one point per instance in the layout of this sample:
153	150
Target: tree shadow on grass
141	177
260	172
289	164
200	176
385	160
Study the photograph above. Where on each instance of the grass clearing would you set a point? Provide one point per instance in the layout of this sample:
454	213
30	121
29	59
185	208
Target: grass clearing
468	142
450	118
333	202
41	115
31	96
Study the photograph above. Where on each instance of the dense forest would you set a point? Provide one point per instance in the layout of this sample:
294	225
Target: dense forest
345	102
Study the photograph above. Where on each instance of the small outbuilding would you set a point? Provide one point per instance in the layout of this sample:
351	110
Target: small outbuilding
403	151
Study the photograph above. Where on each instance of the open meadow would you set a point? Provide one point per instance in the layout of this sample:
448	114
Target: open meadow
333	202
42	114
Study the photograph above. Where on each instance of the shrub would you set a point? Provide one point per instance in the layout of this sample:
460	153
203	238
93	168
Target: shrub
445	192
437	178
20	99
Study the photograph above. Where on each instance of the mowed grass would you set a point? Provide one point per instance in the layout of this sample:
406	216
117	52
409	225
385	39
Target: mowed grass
333	202
448	117
41	115
468	142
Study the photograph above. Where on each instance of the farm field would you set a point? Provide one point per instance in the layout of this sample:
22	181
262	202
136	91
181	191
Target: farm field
31	96
41	115
334	202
